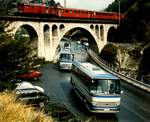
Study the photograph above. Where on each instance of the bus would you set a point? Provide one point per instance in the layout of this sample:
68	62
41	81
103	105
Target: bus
66	58
99	90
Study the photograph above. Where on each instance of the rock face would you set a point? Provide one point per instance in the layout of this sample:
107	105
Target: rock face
127	61
128	58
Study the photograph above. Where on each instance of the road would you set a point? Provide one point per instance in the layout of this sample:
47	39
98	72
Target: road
135	105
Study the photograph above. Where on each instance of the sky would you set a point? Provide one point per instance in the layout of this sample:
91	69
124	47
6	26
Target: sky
86	4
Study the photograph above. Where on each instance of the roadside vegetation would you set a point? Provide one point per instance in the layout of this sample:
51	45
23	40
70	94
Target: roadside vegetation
14	53
133	30
17	53
13	111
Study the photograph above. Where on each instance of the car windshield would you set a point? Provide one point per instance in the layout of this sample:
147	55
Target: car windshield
66	45
105	87
25	91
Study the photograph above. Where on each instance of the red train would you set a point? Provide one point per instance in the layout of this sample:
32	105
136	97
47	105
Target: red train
42	9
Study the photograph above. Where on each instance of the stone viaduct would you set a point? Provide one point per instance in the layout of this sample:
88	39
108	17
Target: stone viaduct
48	34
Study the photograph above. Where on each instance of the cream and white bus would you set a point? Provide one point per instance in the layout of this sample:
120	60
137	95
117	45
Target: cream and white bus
99	90
66	59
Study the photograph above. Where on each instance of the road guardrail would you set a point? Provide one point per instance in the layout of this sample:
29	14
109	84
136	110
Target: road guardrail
139	84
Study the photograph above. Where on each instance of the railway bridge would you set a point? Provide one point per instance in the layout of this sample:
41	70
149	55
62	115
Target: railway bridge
46	33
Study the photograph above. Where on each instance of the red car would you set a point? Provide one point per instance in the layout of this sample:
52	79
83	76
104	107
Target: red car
29	75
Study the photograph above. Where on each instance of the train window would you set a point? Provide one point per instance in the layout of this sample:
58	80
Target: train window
75	11
70	11
66	11
86	12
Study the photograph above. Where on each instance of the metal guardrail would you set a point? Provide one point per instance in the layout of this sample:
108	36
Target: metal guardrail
139	84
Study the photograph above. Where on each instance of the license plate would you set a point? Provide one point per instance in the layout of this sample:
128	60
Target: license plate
106	109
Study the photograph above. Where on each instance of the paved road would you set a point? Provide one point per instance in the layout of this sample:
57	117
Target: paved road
135	105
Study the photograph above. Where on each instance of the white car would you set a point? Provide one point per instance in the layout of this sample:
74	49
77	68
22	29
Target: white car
27	85
32	96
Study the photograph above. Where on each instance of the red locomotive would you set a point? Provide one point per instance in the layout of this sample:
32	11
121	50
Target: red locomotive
42	9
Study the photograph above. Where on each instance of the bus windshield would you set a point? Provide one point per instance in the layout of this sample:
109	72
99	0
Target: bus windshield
66	57
105	87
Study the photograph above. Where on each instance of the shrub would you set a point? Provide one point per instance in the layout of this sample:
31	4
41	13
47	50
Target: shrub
11	111
109	53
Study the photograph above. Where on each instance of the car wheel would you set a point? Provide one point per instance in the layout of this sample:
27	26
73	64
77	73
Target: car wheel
41	104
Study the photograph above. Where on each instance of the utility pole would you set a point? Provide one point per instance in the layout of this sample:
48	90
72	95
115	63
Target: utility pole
119	10
64	3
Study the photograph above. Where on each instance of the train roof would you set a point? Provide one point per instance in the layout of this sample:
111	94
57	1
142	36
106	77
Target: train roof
61	7
94	71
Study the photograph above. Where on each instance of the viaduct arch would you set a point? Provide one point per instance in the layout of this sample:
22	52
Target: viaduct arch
47	35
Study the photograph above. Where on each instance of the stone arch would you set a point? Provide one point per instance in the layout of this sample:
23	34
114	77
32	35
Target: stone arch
54	30
46	31
62	28
33	35
88	30
111	36
102	32
92	27
97	31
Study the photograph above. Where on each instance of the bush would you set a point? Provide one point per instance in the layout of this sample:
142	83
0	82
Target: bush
136	53
12	111
109	53
144	65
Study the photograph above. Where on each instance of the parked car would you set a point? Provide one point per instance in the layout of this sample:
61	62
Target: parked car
32	96
28	75
28	85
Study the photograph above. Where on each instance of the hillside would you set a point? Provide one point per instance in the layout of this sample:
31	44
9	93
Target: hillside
134	29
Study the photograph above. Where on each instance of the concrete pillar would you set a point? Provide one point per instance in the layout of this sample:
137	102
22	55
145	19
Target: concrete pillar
40	40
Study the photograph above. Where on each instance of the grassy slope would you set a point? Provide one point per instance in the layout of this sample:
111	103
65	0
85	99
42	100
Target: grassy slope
11	111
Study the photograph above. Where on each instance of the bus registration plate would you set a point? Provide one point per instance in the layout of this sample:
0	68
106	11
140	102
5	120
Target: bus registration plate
106	109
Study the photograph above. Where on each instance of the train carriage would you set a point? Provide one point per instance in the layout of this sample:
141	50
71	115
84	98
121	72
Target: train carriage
44	10
74	13
32	8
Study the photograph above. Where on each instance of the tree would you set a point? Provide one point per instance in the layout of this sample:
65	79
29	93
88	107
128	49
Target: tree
124	5
109	53
144	66
7	7
12	52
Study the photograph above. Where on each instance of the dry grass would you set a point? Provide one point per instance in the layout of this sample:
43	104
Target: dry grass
12	111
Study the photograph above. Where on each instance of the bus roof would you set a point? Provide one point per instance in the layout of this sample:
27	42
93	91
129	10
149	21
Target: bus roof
94	71
66	51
